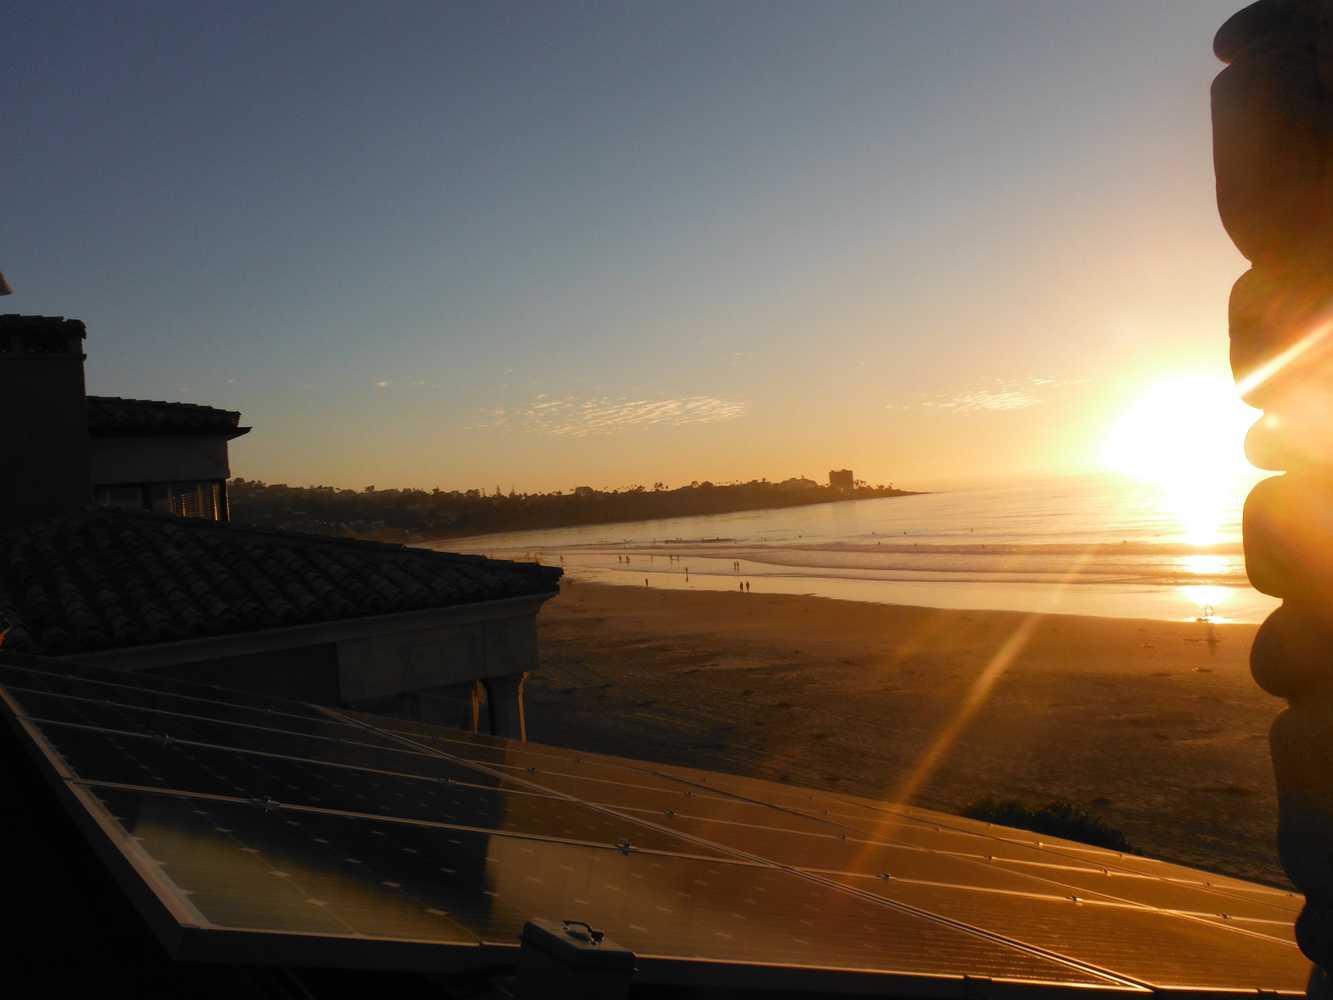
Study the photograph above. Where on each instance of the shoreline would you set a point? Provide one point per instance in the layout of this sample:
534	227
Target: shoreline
1154	725
1127	601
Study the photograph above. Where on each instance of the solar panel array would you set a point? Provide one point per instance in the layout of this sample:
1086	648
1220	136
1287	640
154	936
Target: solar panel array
254	829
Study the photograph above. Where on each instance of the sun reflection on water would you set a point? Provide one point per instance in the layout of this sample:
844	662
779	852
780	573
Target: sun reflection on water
1206	599
1201	507
1205	564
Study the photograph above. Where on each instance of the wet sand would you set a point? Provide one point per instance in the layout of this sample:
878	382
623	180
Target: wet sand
1156	726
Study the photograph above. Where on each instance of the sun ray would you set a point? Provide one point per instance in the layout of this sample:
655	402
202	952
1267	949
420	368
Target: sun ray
977	695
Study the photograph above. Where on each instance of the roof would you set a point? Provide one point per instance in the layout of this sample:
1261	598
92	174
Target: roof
114	416
111	579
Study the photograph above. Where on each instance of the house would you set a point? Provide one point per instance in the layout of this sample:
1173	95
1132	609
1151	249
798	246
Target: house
841	480
131	453
386	628
167	457
115	550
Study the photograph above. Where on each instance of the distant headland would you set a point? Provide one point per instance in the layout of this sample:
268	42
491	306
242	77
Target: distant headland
418	515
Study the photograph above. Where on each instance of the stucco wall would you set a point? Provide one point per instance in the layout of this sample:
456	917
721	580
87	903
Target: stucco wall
419	665
305	673
378	666
157	459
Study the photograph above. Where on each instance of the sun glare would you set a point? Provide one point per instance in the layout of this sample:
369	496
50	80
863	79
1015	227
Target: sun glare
1185	435
1179	429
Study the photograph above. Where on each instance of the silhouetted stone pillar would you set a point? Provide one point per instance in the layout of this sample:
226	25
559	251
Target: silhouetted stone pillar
504	698
1273	153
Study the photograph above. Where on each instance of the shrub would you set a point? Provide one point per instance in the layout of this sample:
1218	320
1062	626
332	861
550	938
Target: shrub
1059	819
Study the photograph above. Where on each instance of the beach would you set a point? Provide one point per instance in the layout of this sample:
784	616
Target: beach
1081	545
1155	725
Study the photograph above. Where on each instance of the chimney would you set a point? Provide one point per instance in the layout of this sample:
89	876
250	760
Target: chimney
44	449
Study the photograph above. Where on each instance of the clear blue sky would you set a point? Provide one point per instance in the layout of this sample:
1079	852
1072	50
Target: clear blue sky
548	244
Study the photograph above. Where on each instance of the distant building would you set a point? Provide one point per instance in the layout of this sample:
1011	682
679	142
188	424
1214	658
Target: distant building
584	491
841	480
798	483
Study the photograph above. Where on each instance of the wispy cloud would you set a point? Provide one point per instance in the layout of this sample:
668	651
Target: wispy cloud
999	395
574	416
988	399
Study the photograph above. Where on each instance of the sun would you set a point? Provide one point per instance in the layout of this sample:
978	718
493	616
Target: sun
1185	435
1182	429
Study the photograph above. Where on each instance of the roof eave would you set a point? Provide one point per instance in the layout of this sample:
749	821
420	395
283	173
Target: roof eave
226	433
166	654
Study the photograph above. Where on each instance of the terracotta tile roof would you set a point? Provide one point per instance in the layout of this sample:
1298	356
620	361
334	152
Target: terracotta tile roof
109	578
112	416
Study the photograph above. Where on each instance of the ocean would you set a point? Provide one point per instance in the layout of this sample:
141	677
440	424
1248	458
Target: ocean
1090	545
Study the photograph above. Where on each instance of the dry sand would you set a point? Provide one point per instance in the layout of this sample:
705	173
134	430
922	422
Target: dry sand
1156	726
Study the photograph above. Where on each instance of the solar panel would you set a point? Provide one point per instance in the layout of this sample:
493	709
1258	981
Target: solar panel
16	665
653	802
103	757
249	869
183	728
1159	892
254	829
1164	950
1084	869
1280	930
833	853
29	684
750	830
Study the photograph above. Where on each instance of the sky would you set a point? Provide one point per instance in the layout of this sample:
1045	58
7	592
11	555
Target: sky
553	244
